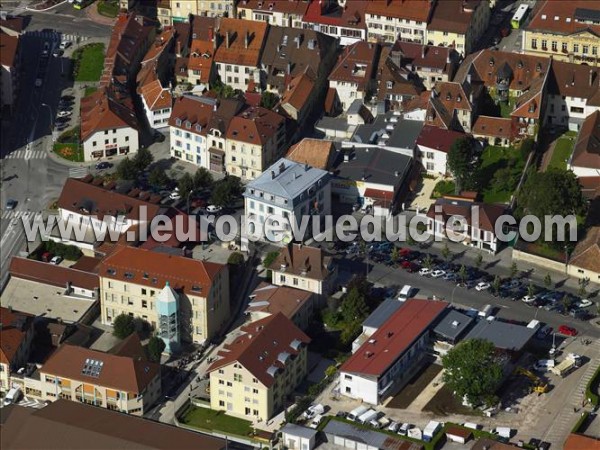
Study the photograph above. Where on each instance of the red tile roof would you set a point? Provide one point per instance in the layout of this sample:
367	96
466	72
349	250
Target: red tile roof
8	49
453	16
240	31
437	138
15	326
425	56
50	274
317	153
201	59
417	10
356	64
155	269
353	16
260	346
394	337
161	43
493	126
461	206
576	441
293	7
102	110
192	111
156	97
587	252
299	89
299	259
273	299
84	196
122	373
587	145
575	80
255	125
566	11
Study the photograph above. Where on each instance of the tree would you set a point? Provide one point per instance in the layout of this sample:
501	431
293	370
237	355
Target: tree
496	285
566	303
123	326
268	100
226	191
126	170
330	371
354	306
462	273
155	348
478	260
531	289
446	252
395	254
350	332
142	159
583	283
548	281
185	185
463	374
549	193
203	179
158	178
409	239
513	270
526	147
270	258
235	259
461	162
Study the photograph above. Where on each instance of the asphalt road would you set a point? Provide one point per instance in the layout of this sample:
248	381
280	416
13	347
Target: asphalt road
469	298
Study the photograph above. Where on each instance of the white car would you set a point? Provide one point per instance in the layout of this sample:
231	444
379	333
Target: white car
393	426
584	303
65	45
438	273
56	260
528	299
175	195
213	209
63	114
482	286
424	271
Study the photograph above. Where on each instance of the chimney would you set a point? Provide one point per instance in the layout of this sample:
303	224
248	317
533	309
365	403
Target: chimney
227	38
178	50
422	51
591	77
211	34
272	174
289	68
247	39
469	78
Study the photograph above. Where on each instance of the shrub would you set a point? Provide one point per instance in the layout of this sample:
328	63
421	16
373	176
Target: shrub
123	326
235	259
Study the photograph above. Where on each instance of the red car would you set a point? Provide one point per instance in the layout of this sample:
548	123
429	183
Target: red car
567	331
405	264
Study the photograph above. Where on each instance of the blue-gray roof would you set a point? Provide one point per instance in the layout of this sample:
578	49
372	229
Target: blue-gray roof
405	134
453	324
368	437
332	123
286	179
382	313
389	130
504	335
376	165
297	430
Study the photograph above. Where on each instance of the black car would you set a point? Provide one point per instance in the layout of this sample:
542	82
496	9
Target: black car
11	204
158	136
103	165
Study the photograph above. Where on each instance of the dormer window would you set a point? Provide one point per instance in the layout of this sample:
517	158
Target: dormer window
198	127
491	62
178	122
390	84
188	124
532	107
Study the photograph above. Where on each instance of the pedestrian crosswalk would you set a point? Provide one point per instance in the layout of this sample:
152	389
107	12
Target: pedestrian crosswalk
78	172
14	214
27	154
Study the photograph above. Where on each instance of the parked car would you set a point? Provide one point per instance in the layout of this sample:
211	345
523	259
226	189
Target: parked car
103	165
403	429
529	299
393	426
567	330
175	195
47	256
56	260
63	113
482	286
213	209
424	271
11	204
438	273
65	45
584	303
58	52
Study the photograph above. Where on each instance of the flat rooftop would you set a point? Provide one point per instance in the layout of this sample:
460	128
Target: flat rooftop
504	335
42	300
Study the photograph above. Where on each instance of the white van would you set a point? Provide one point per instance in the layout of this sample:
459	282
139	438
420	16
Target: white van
13	396
404	293
504	432
357	412
485	312
367	416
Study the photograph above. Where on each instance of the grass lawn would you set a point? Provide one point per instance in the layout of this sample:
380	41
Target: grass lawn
493	159
90	90
209	419
88	62
414	387
72	152
108	8
444	187
562	152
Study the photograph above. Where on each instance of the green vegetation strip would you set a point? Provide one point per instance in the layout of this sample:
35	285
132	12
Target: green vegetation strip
108	8
88	62
562	153
499	173
580	422
593	387
210	420
443	187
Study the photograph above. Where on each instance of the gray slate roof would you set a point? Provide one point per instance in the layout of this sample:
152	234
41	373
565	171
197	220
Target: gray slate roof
297	430
289	183
504	335
382	313
368	437
453	324
377	165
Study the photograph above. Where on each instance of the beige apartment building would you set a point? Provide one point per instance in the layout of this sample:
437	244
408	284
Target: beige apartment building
459	24
565	31
171	11
256	373
119	380
255	139
392	20
184	299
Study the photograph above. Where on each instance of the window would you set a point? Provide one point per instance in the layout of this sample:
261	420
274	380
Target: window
576	48
144	303
221	403
237	377
229	384
554	46
586	49
544	44
144	290
564	47
594	50
255	391
295	281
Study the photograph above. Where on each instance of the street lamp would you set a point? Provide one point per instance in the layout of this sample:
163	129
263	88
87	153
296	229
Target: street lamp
188	201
